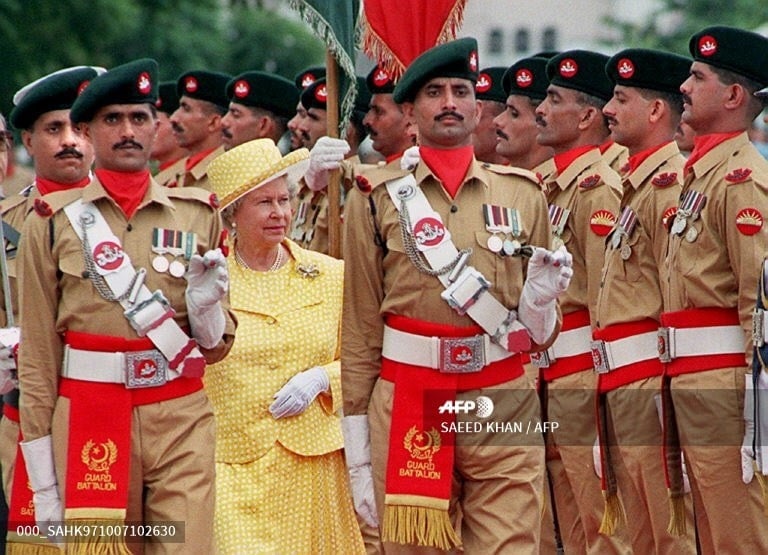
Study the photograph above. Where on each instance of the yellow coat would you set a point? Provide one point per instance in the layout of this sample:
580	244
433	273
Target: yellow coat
287	324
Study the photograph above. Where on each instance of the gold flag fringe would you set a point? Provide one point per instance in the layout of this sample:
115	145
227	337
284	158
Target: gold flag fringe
763	481
677	525
424	526
378	49
19	548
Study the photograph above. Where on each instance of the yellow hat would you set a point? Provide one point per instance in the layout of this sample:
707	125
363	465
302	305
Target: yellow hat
250	165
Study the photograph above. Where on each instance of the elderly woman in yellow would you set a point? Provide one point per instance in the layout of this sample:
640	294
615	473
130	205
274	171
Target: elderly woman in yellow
281	483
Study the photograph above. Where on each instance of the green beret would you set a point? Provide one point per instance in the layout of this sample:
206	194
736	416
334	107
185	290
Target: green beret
131	83
736	50
648	69
167	97
260	89
307	76
581	70
315	95
489	84
210	86
379	81
55	91
527	77
457	58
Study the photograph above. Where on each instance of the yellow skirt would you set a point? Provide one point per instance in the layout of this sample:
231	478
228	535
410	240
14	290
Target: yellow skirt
285	503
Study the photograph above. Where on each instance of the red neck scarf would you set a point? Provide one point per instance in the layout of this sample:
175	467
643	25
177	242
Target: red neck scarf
126	188
704	143
565	159
636	159
449	165
46	186
194	159
605	146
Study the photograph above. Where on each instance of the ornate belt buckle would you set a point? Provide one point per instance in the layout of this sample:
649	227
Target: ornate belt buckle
600	357
542	359
465	291
663	344
758	327
462	355
145	369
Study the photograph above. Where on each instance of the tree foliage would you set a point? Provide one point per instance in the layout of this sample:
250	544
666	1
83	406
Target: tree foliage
672	24
40	36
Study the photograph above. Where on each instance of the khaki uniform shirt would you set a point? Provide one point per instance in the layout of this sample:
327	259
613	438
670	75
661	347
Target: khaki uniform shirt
169	177
380	281
629	288
721	266
57	296
591	191
616	156
198	175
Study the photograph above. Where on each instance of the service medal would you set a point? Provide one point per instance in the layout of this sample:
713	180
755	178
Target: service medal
511	247
160	264
691	234
625	252
679	224
495	243
616	239
177	269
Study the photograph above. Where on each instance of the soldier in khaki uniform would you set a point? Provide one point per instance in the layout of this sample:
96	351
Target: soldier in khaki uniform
260	105
583	197
490	90
166	151
525	82
119	429
643	116
197	123
716	247
62	159
395	321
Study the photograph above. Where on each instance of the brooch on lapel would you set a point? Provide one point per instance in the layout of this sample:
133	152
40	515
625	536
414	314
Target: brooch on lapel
308	271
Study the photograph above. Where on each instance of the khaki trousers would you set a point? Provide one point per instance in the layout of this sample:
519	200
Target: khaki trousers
576	487
709	413
9	441
171	472
634	431
497	489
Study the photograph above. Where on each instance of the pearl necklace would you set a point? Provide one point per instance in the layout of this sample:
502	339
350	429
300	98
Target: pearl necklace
275	265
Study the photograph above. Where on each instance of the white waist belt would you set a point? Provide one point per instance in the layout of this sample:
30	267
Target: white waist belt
133	368
568	344
610	355
709	340
455	355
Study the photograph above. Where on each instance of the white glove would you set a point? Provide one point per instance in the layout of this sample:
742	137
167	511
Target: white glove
207	283
762	423
596	460
296	395
747	451
325	156
357	450
38	458
549	274
410	158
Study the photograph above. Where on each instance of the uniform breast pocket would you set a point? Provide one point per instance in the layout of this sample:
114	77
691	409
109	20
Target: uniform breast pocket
630	254
491	258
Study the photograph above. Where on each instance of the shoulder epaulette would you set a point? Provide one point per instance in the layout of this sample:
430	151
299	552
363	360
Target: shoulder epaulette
193	193
51	203
512	170
377	175
7	204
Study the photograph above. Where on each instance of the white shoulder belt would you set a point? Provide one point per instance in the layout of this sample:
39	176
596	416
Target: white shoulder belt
466	289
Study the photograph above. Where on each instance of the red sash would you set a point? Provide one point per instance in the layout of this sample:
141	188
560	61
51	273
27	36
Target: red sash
421	449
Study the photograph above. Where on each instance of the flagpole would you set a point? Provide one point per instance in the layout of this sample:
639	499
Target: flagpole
334	184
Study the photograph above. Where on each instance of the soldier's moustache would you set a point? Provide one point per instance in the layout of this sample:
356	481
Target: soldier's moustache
540	121
449	115
68	151
500	133
127	143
